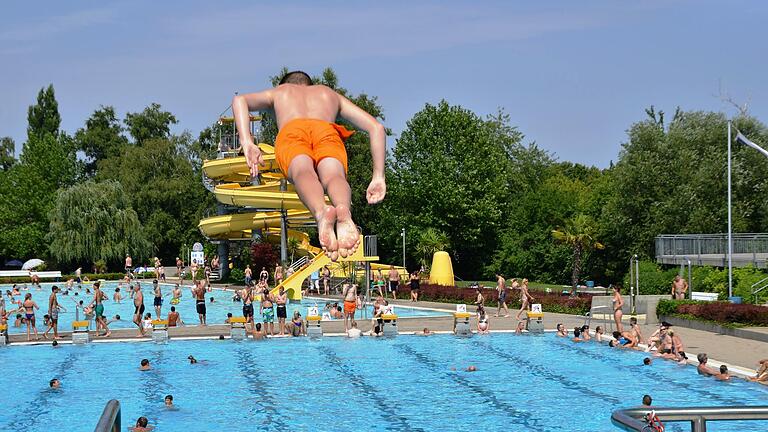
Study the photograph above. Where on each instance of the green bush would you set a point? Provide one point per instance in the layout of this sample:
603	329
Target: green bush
669	307
237	276
653	279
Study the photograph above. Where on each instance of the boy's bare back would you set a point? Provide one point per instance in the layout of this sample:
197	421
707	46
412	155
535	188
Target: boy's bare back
291	101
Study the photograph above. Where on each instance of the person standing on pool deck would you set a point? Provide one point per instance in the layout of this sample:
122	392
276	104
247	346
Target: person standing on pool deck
129	266
248	275
282	313
264	275
158	300
199	294
53	313
525	298
394	281
310	151
193	270
268	312
78	275
29	313
501	288
278	274
326	281
98	302
350	304
138	308
679	288
414	286
247	296
618	302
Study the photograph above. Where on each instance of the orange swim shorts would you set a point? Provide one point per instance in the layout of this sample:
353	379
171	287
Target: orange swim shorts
317	139
349	306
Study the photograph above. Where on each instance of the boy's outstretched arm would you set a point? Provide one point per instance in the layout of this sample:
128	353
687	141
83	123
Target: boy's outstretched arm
242	105
358	117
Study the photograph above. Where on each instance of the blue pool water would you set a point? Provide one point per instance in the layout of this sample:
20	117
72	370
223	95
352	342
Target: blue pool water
216	311
408	383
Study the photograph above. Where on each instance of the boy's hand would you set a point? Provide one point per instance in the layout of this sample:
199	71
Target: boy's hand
376	190
253	158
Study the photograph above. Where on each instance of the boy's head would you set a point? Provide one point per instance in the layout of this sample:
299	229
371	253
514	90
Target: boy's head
723	369
297	77
173	308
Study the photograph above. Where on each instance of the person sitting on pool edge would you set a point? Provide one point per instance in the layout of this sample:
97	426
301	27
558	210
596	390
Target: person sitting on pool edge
297	325
309	149
483	324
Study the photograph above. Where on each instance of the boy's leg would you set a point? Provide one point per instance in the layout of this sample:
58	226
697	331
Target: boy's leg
302	174
331	174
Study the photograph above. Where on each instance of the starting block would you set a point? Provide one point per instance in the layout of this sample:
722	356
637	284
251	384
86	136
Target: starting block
535	319
389	324
314	329
461	323
159	330
80	333
3	334
237	328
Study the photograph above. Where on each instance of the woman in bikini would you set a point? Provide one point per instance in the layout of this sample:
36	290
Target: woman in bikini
29	313
525	298
618	302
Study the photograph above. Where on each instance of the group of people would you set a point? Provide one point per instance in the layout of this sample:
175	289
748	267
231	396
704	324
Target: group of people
503	288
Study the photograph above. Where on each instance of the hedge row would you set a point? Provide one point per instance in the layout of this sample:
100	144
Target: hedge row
719	312
550	302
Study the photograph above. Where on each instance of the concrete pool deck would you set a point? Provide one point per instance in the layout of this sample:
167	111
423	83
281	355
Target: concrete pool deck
740	354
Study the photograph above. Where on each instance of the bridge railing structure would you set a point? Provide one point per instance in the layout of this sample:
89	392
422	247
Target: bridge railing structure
712	249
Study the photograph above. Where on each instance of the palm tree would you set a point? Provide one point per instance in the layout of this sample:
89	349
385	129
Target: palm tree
579	233
431	241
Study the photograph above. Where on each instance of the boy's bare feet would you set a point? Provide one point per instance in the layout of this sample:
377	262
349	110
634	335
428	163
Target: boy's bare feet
326	233
346	231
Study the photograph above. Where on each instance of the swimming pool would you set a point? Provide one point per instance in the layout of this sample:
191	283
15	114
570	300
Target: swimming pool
216	312
523	383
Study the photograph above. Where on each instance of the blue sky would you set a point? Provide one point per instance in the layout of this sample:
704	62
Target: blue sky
573	75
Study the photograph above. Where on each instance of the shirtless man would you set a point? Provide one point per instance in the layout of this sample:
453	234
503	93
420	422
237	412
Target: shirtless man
702	368
199	294
98	302
679	288
248	275
350	304
501	288
282	313
179	266
117	297
176	295
310	151
53	313
278	274
247	295
394	281
158	300
138	305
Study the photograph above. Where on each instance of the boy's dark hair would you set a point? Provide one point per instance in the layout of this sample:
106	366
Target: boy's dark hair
297	77
142	422
647	400
144	362
258	326
169	397
723	369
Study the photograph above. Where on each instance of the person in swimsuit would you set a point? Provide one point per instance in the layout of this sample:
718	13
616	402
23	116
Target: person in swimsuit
176	295
326	281
282	313
618	303
634	328
138	308
98	304
297	325
158	300
157	269
501	288
483	325
129	266
414	279
174	318
679	288
207	273
117	297
278	274
350	304
561	330
53	313
29	313
702	368
268	313
247	296
248	275
199	294
310	151
257	333
264	275
394	281
525	298
179	265
479	299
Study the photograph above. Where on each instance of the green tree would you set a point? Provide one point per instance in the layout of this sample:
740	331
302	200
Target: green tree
452	171
152	123
580	234
7	153
101	138
94	221
431	241
43	117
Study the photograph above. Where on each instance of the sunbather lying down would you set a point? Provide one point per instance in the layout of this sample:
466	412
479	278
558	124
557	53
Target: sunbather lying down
310	151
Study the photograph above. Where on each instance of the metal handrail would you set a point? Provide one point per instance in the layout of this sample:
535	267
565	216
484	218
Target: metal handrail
756	291
632	419
110	418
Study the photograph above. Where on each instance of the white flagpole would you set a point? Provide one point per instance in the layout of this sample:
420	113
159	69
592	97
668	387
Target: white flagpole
730	228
